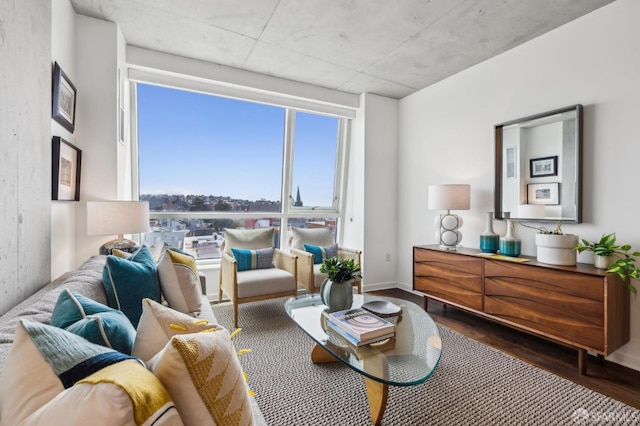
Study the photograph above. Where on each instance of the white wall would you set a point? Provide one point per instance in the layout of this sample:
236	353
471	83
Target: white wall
63	213
446	133
97	45
25	149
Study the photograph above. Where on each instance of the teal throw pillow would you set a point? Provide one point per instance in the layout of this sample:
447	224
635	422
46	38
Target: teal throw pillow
253	259
94	321
128	281
321	253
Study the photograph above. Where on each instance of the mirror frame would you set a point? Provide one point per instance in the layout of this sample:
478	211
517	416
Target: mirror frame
499	214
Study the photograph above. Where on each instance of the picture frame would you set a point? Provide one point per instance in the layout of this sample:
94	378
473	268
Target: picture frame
544	166
63	108
543	193
66	161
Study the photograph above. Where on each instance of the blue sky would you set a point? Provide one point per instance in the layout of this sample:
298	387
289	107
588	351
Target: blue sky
191	143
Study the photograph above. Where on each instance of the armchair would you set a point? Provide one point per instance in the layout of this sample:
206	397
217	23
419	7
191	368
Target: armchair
309	275
261	280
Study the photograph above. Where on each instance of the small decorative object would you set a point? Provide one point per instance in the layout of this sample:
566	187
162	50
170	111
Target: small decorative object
489	240
336	290
555	247
449	197
615	258
510	245
383	308
64	99
65	170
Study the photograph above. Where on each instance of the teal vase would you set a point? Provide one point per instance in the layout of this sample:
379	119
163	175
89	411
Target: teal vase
489	240
510	245
337	296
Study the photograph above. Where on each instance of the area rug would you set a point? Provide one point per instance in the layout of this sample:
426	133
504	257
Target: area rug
473	385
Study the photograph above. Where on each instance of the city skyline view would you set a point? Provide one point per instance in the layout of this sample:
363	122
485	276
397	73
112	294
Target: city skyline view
198	144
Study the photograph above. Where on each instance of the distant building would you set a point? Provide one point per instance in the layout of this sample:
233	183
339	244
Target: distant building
298	202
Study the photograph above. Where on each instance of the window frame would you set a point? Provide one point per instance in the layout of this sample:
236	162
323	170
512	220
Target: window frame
288	210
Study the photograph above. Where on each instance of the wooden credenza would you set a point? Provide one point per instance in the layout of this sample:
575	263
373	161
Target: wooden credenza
578	306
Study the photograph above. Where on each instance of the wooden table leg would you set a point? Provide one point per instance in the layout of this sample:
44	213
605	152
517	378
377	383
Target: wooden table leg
582	361
320	355
377	394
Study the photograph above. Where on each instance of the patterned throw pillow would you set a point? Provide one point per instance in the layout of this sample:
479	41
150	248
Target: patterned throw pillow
128	281
94	321
253	259
45	360
159	323
321	253
180	281
205	379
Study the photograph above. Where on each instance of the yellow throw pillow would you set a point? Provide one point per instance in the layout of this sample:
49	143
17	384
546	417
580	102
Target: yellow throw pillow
205	379
159	323
180	281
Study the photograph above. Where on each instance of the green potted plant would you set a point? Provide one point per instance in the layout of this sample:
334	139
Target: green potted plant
554	246
336	290
616	259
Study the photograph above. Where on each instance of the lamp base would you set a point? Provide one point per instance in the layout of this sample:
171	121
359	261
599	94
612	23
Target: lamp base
448	234
128	246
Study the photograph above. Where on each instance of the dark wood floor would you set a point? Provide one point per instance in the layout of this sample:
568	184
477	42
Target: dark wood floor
605	377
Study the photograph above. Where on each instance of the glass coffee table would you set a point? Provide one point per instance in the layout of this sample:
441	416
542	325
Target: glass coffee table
409	358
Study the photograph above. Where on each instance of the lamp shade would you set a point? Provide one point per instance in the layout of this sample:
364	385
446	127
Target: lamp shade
449	197
117	217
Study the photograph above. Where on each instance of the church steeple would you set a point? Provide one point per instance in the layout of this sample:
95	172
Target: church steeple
298	202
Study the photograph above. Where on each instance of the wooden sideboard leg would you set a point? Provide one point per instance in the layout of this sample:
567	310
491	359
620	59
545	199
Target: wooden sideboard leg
582	361
601	359
425	302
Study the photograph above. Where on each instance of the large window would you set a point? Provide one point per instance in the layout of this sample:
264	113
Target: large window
206	163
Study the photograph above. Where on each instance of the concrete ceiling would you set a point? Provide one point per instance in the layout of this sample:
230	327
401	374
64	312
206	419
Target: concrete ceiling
387	47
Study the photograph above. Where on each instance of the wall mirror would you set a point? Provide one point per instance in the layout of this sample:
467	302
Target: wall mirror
538	175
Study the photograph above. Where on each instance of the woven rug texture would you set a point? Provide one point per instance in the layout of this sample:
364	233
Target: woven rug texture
474	384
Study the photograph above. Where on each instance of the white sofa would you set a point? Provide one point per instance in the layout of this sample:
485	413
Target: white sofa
86	281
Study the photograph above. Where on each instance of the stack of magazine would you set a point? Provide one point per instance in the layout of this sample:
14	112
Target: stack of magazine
360	327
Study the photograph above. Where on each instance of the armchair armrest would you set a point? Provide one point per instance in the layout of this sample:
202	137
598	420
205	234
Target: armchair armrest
305	269
228	275
348	253
286	261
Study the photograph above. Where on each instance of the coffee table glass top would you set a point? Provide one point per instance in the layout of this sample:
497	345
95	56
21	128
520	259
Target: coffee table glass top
407	359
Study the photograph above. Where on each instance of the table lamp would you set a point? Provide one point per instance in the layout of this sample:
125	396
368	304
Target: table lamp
449	197
117	218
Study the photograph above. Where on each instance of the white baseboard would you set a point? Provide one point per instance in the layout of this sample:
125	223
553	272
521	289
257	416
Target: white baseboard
628	355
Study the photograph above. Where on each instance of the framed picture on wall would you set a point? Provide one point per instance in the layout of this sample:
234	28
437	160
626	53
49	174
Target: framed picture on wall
63	108
543	193
546	166
65	170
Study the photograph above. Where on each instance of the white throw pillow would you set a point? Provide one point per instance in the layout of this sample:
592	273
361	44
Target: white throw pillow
312	236
250	239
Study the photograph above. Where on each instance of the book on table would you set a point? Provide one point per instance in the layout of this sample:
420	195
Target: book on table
360	323
354	340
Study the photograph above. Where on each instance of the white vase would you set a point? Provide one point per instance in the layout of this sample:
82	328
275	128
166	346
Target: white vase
489	240
557	249
510	245
602	262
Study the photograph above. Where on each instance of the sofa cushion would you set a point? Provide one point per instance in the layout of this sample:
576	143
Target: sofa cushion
205	379
321	253
43	361
125	393
128	281
159	323
251	239
253	259
94	321
180	281
314	236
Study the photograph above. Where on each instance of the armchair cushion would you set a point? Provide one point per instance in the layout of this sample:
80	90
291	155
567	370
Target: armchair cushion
314	236
251	239
253	259
321	253
260	282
